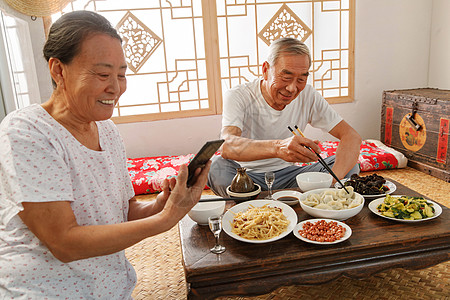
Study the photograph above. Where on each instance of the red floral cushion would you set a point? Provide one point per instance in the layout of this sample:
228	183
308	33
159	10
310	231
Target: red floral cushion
148	173
371	156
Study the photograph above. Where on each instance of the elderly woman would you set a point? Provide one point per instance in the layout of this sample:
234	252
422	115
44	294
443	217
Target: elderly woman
67	208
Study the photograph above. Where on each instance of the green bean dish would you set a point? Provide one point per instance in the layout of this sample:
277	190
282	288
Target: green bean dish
406	208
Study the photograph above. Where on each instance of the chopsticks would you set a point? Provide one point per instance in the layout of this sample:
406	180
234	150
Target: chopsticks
217	199
320	157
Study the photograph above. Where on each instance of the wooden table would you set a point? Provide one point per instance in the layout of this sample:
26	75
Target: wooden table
376	244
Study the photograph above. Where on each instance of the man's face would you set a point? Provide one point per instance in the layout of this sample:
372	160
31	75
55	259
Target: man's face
95	79
284	81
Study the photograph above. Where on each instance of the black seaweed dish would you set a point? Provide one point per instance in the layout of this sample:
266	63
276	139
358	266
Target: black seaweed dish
368	185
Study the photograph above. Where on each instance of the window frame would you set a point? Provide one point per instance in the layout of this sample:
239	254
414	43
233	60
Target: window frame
212	62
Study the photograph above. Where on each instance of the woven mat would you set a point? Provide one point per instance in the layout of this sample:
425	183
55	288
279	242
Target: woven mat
157	261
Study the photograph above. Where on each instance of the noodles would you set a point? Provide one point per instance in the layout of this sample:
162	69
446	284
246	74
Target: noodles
259	223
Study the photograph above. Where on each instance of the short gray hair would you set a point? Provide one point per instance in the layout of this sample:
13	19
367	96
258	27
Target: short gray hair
287	45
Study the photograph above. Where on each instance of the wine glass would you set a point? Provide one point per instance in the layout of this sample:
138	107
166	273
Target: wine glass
215	224
270	178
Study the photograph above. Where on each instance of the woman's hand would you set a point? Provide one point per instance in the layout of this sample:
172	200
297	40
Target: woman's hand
174	201
182	198
161	199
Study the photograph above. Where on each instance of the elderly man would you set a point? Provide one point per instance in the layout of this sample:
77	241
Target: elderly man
255	121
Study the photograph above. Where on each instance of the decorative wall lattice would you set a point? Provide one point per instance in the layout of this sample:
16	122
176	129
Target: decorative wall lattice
285	23
139	41
325	26
183	54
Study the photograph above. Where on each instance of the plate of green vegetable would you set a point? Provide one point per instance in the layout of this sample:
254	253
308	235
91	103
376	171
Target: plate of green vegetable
405	208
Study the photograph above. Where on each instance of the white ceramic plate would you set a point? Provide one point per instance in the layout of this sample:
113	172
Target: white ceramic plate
392	187
287	193
348	232
374	204
228	217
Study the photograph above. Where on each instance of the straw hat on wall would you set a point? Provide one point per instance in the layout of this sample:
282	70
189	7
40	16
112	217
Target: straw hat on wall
38	8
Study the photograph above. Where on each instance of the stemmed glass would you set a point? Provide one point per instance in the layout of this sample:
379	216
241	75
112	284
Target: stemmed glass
270	178
215	224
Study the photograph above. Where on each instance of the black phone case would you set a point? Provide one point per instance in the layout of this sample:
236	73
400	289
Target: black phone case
202	157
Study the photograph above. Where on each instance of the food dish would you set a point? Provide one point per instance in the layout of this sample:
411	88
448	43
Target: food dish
374	204
228	217
260	223
203	210
407	208
340	214
392	187
348	232
287	193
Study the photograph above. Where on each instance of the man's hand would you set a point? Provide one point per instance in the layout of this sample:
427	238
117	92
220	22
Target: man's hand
293	149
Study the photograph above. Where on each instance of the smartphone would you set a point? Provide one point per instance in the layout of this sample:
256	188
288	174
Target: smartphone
201	158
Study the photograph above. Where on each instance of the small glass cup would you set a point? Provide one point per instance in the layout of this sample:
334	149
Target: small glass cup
269	178
215	224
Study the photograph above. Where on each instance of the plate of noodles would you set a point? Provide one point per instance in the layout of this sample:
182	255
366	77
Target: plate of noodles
259	221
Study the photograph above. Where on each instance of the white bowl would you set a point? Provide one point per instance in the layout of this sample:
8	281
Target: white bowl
313	180
338	215
288	197
203	210
245	196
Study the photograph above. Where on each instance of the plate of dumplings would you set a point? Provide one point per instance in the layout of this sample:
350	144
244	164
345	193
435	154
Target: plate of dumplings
332	203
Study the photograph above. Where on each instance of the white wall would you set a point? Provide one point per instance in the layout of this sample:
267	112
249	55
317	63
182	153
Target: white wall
399	44
391	52
169	137
440	45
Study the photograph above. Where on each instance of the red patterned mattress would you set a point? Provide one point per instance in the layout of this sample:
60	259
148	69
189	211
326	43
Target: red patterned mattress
148	173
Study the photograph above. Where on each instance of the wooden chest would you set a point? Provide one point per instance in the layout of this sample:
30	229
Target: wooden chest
416	123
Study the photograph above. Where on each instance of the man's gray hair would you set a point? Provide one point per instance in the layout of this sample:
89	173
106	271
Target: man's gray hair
288	46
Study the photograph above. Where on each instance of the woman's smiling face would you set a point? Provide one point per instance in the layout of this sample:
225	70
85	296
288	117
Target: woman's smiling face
95	78
284	81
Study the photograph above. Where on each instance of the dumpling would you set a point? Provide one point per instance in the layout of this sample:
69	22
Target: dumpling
336	205
315	197
323	206
343	194
311	201
327	198
345	202
330	192
351	191
356	202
